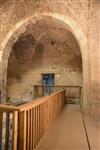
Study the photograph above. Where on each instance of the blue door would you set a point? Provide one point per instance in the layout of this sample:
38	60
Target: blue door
48	82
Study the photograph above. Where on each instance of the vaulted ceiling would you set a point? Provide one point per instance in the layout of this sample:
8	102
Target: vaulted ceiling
48	41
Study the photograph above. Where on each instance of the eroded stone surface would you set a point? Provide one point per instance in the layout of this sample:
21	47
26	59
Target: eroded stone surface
85	13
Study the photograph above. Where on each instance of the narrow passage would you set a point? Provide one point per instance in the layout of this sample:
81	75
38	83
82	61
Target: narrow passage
68	132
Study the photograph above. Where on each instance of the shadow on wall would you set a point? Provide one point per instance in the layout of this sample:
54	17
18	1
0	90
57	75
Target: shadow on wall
24	54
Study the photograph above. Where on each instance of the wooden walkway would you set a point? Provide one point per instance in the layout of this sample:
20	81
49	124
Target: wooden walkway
68	132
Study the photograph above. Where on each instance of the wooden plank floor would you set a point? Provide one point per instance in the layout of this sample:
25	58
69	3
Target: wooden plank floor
68	132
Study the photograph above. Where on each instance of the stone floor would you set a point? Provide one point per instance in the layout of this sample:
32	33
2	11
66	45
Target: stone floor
68	132
93	131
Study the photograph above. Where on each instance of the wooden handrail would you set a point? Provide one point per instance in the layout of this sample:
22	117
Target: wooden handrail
73	86
8	108
29	123
72	92
11	108
36	102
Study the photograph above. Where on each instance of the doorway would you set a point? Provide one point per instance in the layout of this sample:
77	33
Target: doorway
47	83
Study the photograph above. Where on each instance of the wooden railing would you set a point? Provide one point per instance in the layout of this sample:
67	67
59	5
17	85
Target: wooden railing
24	127
71	92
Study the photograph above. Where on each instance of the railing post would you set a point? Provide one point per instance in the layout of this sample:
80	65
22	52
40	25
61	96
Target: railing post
22	131
15	130
80	95
7	130
42	90
64	97
47	110
1	117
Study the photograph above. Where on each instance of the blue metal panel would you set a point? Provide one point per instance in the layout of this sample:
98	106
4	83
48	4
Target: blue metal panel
48	80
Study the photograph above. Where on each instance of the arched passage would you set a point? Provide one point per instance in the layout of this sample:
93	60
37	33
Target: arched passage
20	27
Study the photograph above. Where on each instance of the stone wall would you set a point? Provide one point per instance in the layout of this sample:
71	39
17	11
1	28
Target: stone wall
94	60
85	13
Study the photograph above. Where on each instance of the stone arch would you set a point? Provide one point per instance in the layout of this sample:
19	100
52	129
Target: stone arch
20	27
